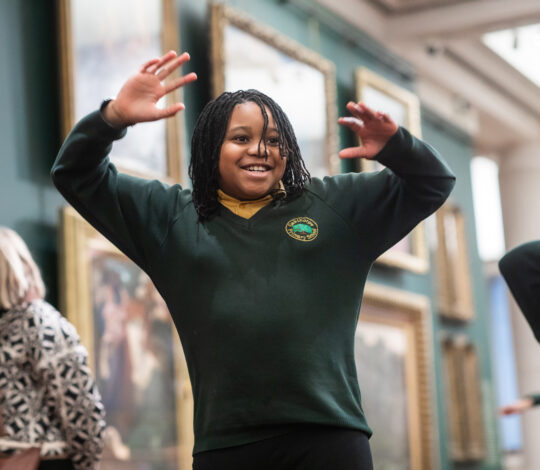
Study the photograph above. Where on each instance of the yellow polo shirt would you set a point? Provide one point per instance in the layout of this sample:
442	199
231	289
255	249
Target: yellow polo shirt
247	209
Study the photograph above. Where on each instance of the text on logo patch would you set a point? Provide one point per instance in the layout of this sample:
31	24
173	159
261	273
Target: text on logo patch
302	228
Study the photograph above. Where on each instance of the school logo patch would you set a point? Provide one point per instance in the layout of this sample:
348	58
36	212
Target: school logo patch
302	228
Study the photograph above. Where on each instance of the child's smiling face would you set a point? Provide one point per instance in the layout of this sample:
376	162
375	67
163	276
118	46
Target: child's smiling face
244	173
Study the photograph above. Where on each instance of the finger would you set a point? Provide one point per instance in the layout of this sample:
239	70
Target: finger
354	124
169	111
145	66
179	82
171	66
162	60
360	110
367	111
352	152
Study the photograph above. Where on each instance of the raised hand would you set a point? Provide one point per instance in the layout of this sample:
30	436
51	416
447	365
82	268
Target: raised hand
137	99
372	127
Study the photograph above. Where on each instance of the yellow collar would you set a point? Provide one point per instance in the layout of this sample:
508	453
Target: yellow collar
247	209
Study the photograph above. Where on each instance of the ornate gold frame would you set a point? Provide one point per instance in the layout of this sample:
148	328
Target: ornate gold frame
418	260
367	78
455	297
412	313
221	15
464	400
76	237
174	126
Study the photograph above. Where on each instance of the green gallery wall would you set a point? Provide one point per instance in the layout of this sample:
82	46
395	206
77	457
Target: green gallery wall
30	136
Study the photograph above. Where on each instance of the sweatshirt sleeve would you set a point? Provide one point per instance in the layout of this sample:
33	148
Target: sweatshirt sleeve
520	269
62	365
384	206
133	213
535	397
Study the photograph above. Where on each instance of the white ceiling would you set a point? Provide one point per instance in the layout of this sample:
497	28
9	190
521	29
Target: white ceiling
441	39
400	6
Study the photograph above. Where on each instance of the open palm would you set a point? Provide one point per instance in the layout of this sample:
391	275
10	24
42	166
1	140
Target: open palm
372	127
138	97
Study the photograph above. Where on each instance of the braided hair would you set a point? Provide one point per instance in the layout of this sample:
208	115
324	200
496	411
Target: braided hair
207	139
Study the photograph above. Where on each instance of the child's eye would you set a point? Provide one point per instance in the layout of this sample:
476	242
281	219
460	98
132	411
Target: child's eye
273	141
240	138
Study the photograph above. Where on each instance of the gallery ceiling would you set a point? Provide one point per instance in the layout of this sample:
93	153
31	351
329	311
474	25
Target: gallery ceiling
442	40
406	6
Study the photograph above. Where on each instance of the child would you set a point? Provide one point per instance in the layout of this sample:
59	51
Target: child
261	267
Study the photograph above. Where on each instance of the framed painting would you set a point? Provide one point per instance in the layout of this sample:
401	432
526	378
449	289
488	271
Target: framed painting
463	400
455	299
383	95
101	44
411	252
247	54
395	374
134	352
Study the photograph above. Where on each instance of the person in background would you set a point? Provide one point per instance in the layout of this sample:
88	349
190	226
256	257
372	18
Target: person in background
48	398
520	268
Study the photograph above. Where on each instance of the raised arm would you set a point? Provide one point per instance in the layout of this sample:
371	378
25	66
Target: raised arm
133	213
387	205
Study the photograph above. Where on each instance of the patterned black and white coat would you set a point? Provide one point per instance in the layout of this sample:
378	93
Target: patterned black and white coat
47	394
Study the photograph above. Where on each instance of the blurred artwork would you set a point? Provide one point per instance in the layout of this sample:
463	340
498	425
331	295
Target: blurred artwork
380	352
455	293
134	351
464	400
394	374
134	364
104	43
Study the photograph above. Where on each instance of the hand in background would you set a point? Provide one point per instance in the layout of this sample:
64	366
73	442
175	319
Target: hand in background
372	127
519	406
138	97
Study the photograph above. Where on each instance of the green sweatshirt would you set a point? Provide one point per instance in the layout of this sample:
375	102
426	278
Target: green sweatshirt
520	269
266	307
535	397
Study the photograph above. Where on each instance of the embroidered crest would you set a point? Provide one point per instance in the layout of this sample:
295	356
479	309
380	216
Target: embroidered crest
302	228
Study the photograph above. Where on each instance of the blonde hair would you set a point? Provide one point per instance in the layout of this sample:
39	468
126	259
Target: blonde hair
20	279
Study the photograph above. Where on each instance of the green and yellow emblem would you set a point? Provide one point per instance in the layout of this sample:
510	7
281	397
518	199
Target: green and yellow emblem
302	228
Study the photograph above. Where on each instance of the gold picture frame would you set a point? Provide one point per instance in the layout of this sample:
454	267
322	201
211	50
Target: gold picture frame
122	321
383	95
395	372
295	76
467	437
411	253
100	47
455	296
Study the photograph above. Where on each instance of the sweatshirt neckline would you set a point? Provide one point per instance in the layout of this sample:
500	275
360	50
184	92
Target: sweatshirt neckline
253	220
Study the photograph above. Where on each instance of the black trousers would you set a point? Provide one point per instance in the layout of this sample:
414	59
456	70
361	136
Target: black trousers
308	448
56	465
